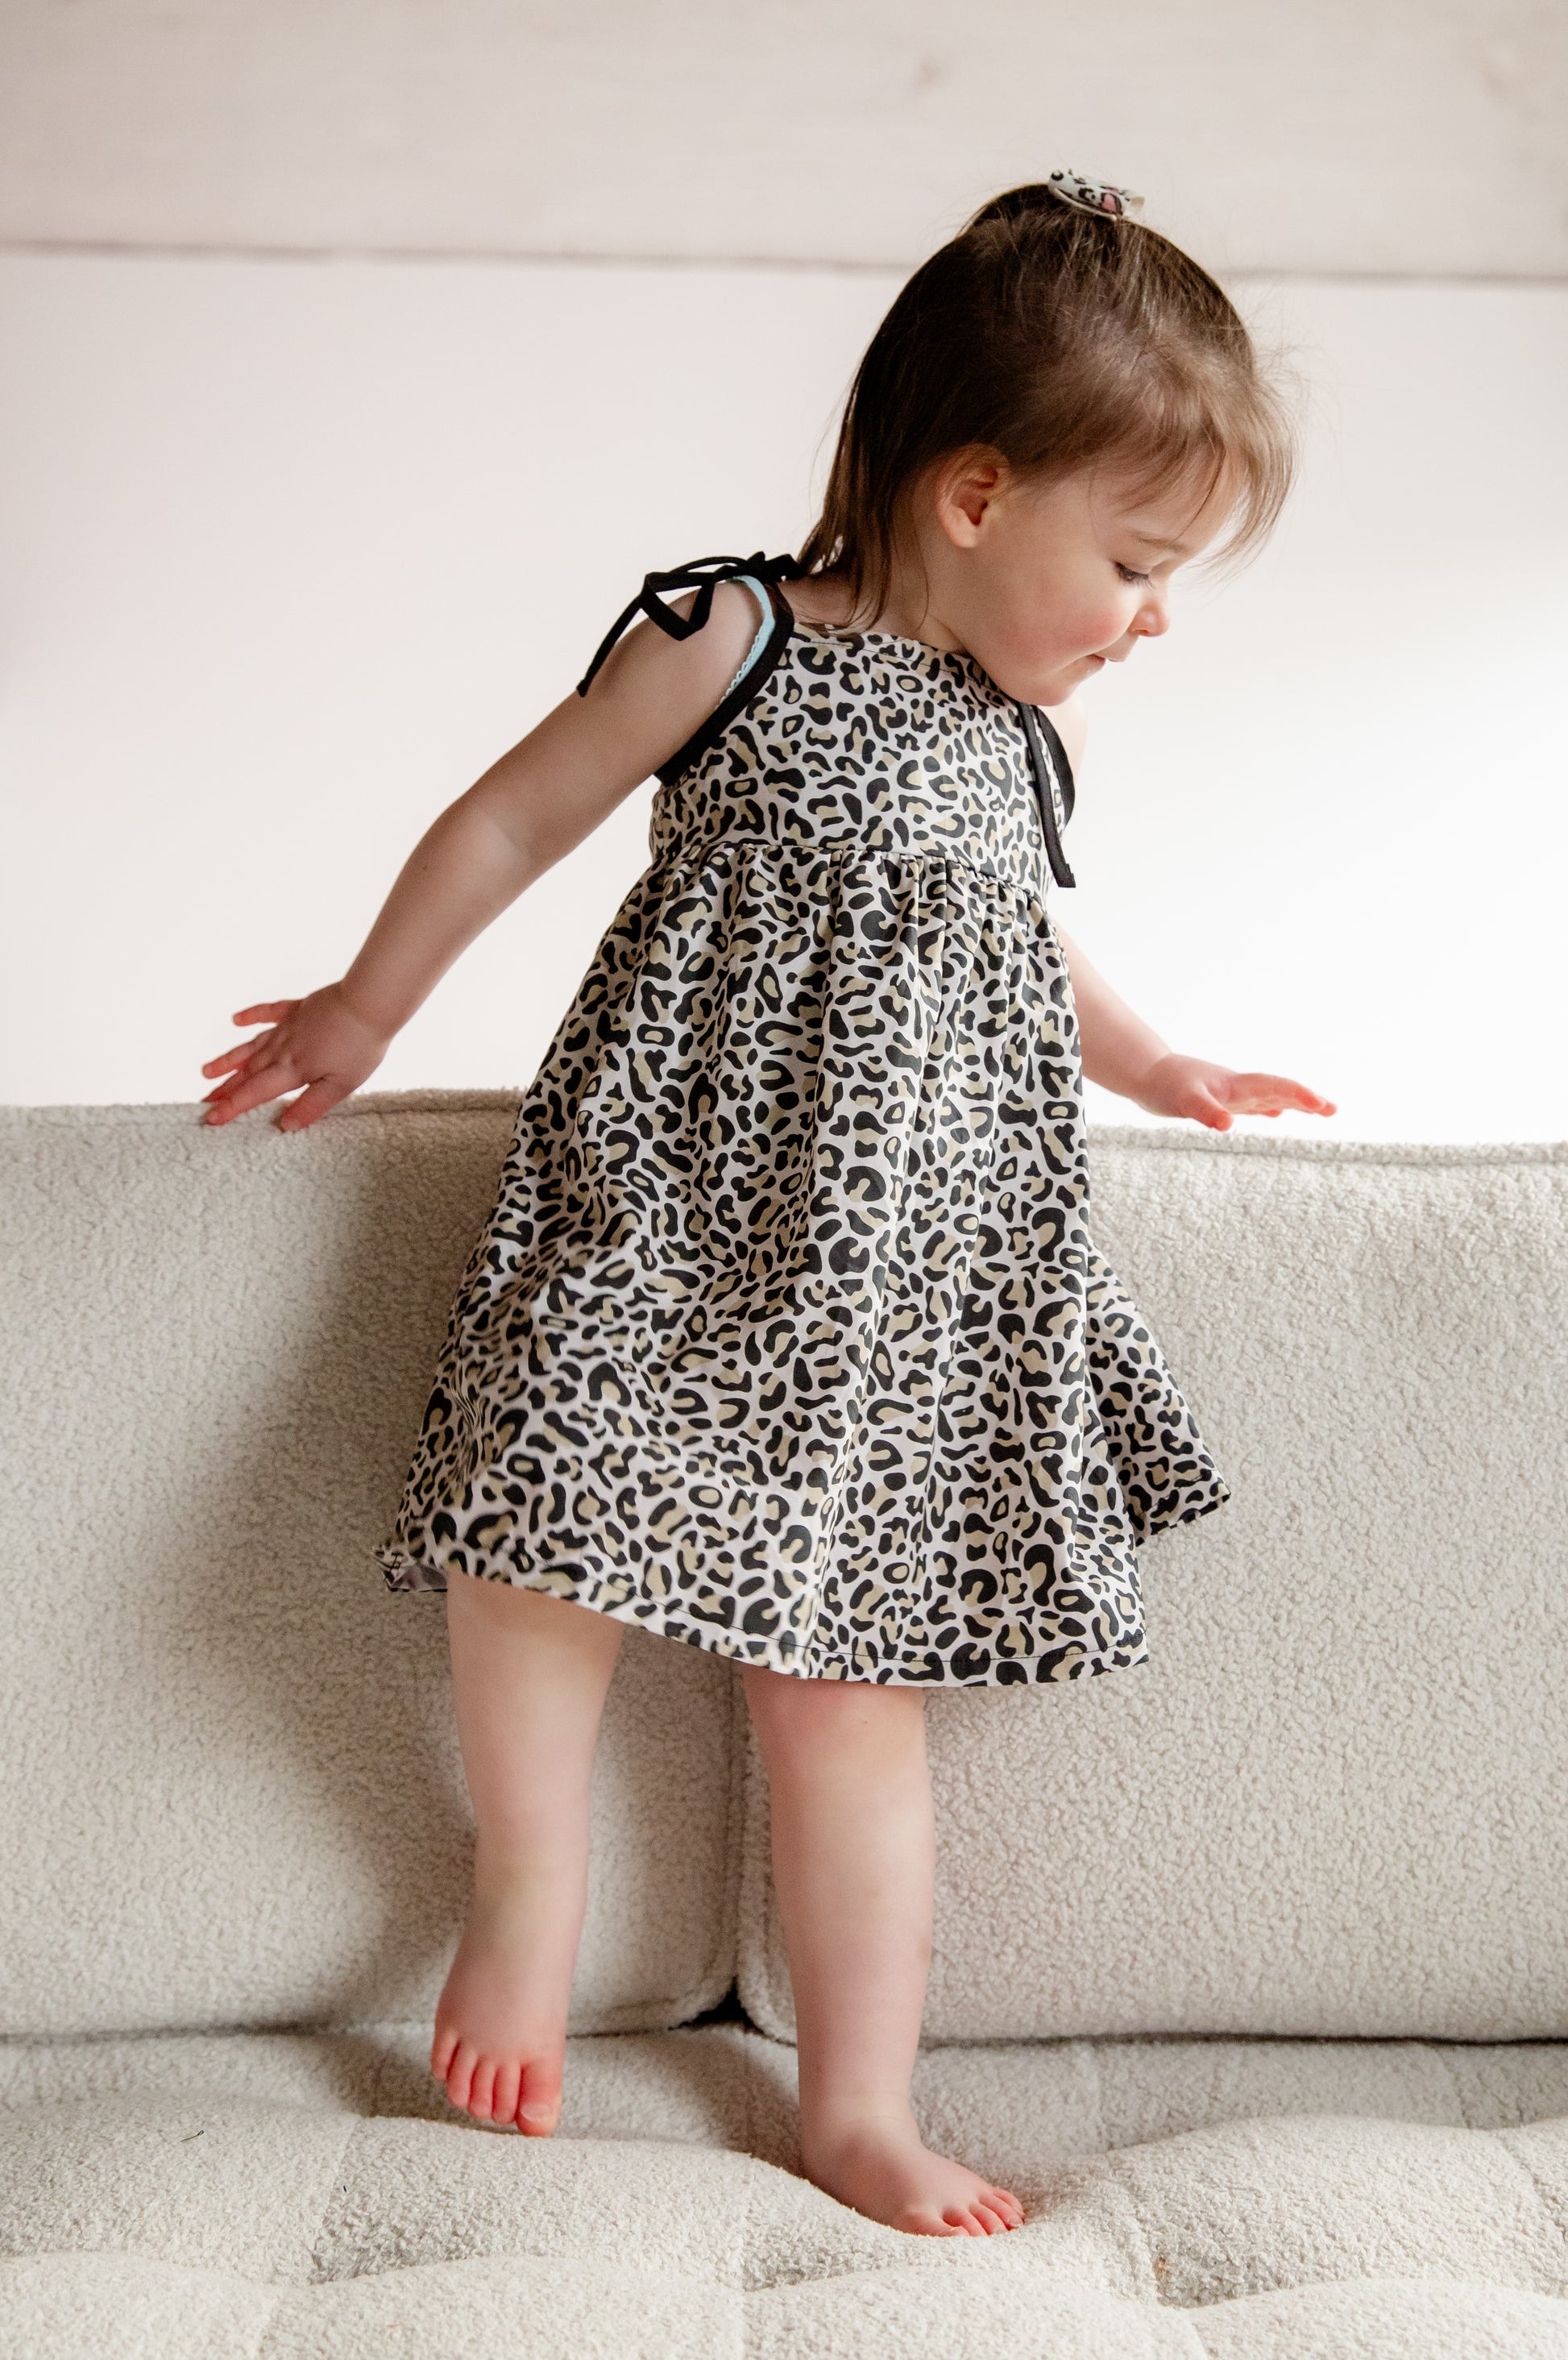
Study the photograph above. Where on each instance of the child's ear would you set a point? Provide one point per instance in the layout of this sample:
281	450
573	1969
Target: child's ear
962	490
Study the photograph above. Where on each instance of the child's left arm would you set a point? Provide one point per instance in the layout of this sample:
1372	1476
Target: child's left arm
1123	1054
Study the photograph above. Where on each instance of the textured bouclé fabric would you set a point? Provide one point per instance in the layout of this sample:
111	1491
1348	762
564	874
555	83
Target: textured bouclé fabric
217	1345
1353	1725
259	2198
1249	1966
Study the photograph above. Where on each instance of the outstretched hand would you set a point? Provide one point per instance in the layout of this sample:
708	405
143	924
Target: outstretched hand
318	1040
1213	1095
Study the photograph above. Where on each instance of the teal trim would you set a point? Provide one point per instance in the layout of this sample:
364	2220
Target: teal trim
763	630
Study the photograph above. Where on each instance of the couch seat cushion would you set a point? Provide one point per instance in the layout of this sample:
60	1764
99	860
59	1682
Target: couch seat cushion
290	2197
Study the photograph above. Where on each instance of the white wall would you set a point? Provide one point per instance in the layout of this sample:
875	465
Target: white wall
1405	135
295	548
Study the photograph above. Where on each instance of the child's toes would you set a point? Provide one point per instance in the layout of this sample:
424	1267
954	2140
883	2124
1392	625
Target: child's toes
443	2049
1003	2201
482	2089
994	2224
919	2220
538	2101
509	2081
459	2073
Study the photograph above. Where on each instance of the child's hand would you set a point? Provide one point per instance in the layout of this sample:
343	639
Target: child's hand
1213	1095
318	1040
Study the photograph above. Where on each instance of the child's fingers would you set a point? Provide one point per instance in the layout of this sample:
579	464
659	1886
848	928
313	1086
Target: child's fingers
1272	1094
266	1012
312	1104
252	1089
238	1055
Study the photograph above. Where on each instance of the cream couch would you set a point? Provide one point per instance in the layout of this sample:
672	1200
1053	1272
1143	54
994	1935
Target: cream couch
1252	1962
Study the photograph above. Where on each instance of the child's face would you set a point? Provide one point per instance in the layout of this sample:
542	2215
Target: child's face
1045	583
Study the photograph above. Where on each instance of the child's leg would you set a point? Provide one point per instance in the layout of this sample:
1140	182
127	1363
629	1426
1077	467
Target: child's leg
529	1675
852	1868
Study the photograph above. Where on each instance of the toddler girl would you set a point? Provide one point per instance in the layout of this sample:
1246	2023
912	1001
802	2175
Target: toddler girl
785	1337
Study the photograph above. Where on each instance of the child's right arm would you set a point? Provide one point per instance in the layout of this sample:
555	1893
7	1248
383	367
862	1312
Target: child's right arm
530	810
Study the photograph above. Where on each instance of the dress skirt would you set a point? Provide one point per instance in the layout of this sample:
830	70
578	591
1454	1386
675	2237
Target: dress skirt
786	1336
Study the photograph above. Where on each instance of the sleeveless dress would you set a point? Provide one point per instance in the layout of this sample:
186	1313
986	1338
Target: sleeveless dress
787	1337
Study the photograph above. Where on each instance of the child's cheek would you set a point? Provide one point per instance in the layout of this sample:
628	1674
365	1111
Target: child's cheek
1099	626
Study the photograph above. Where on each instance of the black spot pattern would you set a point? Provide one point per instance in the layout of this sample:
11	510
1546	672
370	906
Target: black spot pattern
785	1337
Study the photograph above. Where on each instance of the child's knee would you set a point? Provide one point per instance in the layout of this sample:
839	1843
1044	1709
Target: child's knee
819	1721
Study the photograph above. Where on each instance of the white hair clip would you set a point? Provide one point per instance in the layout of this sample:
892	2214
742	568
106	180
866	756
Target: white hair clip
1091	196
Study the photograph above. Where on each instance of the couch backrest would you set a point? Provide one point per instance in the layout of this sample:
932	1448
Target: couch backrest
1334	1800
231	1791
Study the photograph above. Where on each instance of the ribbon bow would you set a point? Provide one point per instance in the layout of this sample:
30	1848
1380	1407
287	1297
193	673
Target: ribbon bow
704	575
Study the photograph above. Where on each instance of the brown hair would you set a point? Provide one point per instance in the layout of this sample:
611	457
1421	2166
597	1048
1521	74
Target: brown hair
1059	338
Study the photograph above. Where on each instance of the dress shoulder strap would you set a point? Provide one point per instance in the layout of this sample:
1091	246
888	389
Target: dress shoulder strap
704	574
1053	788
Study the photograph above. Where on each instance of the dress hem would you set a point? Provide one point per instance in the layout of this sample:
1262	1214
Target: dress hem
589	1594
1187	1515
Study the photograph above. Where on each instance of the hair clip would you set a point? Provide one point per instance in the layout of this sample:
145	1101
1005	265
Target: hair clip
1091	196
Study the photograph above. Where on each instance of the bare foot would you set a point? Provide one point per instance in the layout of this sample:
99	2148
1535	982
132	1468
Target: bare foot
883	2170
500	2033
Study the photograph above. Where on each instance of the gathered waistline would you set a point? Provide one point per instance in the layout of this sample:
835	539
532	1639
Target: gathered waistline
697	847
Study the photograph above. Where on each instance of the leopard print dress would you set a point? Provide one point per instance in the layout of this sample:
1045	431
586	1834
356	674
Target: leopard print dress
785	1337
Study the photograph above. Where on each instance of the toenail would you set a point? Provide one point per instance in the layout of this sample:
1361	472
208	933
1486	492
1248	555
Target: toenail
537	2113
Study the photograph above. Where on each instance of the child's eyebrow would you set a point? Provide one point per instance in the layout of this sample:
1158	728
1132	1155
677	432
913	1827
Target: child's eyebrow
1155	541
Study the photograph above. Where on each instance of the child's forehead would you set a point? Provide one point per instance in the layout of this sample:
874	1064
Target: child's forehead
1181	514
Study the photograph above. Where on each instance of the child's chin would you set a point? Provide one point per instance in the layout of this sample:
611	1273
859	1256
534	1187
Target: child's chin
1061	685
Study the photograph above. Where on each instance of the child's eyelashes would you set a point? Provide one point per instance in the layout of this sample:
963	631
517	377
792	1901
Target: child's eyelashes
1128	575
